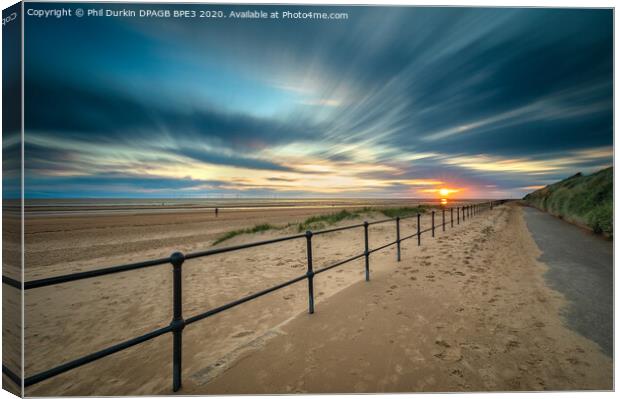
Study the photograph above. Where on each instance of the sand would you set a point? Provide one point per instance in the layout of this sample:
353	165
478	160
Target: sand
11	297
468	310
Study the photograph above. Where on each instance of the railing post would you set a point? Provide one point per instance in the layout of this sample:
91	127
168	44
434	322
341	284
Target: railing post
418	229
443	220
310	272
177	324
433	223
398	238
458	215
451	217
366	253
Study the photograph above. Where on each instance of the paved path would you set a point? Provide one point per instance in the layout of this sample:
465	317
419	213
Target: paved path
580	267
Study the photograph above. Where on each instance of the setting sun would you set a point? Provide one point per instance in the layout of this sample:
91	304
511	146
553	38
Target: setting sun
444	192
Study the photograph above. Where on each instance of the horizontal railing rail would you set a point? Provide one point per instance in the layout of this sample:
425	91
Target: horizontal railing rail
177	259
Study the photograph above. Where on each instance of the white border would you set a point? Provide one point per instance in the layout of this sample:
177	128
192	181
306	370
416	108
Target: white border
483	3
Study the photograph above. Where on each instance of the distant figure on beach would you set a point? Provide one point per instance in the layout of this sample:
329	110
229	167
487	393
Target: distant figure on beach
217	210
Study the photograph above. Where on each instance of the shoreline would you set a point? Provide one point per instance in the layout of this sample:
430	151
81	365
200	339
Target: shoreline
107	207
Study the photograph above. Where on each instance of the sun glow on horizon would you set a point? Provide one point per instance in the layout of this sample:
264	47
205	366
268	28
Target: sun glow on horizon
443	192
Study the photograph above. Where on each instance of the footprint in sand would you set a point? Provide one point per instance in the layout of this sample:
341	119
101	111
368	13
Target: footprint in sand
457	373
243	334
511	344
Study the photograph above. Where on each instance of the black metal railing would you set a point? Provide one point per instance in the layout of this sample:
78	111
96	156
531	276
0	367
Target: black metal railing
178	323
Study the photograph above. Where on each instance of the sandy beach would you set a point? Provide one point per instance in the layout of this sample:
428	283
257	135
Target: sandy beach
468	310
129	304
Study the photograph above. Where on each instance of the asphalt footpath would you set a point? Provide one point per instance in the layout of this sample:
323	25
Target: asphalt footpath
580	267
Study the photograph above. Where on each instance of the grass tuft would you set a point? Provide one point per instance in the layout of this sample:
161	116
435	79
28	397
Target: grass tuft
256	229
403	211
319	222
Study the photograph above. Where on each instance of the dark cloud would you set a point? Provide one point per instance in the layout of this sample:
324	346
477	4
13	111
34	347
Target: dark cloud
231	160
98	114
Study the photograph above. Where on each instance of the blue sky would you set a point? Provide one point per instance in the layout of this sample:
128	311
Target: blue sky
389	102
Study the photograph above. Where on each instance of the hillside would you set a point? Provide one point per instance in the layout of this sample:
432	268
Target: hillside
583	200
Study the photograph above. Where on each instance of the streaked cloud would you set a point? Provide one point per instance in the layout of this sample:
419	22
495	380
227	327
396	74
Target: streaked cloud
554	107
600	156
392	102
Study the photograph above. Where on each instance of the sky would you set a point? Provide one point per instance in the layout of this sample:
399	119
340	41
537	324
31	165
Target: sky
390	102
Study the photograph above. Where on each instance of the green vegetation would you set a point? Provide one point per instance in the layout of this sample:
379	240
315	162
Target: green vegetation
403	211
583	200
320	222
256	229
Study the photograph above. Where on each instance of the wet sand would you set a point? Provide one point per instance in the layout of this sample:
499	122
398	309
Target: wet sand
471	302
